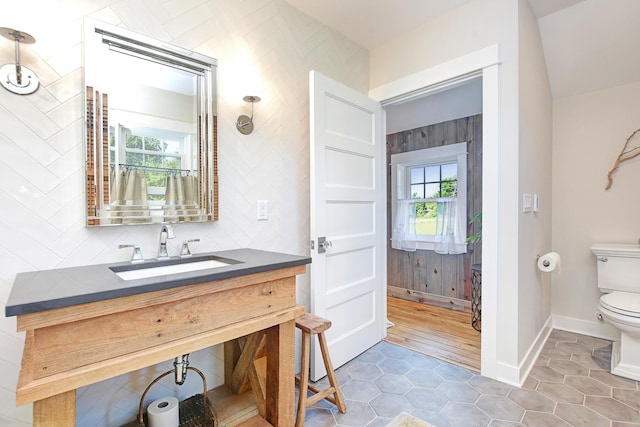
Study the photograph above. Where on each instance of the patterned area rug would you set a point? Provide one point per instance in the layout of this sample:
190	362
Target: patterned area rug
406	420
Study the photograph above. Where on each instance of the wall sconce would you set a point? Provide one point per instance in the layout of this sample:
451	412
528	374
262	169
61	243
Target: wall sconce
244	124
15	77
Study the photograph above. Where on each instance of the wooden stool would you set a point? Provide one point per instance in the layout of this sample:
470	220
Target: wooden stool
310	324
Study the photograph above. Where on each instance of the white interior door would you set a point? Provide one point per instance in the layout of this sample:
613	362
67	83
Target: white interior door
348	214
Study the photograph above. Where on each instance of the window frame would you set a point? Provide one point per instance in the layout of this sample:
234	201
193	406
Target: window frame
401	163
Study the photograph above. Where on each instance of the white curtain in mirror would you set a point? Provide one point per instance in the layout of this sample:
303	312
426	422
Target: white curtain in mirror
129	201
180	198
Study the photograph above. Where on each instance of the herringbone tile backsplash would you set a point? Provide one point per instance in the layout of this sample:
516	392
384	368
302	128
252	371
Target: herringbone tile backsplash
265	48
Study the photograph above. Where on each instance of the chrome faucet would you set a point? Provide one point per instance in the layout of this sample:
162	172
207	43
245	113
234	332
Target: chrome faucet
166	232
184	251
137	253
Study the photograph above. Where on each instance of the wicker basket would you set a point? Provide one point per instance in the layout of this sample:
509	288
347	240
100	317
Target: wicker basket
194	412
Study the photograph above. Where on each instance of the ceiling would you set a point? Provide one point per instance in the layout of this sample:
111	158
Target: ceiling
588	44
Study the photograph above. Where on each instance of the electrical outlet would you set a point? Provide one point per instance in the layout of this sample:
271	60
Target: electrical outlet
263	210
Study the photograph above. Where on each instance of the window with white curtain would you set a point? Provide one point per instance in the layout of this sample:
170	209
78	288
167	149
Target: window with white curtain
429	199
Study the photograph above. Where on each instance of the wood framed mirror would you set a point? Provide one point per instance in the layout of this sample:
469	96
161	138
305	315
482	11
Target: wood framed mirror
151	130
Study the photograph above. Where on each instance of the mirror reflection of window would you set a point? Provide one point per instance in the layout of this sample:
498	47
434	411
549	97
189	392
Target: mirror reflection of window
158	154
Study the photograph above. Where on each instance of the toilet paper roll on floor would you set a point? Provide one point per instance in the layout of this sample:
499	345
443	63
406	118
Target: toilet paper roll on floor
549	262
164	412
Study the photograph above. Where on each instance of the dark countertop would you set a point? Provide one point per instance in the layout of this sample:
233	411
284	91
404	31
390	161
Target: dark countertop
48	289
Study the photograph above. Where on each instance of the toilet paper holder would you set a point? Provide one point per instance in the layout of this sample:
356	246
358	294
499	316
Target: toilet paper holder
548	262
545	262
194	411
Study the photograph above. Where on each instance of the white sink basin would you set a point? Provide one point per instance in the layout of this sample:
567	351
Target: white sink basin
167	269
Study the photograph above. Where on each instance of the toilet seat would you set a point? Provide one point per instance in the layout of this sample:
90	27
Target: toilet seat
623	303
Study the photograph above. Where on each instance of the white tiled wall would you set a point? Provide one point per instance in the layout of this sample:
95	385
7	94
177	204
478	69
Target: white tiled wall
265	48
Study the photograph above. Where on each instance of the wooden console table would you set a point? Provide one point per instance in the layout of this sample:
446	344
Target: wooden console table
74	346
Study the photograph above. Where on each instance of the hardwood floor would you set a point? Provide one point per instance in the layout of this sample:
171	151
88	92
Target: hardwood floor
437	332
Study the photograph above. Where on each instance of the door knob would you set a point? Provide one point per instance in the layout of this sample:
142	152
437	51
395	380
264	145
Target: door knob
323	244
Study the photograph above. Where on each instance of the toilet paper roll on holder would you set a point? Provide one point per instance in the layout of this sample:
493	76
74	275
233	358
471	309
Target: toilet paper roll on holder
546	263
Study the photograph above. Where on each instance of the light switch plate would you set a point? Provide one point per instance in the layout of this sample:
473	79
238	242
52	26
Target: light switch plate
527	203
536	203
263	210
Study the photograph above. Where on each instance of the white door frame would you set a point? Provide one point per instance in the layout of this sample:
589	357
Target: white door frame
485	63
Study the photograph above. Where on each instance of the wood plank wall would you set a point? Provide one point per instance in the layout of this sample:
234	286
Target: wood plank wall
426	276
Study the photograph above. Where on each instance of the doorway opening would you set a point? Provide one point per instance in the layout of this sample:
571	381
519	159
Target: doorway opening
430	302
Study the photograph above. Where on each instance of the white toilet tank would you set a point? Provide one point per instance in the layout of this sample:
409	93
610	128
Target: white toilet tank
618	267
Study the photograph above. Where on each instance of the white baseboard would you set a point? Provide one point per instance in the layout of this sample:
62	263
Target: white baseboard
598	329
517	375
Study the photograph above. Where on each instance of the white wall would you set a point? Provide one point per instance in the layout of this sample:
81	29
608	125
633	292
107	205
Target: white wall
589	131
521	306
469	28
461	101
534	177
264	47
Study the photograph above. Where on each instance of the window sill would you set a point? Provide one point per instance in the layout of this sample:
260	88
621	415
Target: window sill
430	246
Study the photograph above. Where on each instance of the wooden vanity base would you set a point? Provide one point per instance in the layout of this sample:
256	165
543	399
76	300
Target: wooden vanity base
58	410
167	324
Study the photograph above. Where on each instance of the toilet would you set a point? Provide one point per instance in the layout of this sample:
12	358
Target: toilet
618	267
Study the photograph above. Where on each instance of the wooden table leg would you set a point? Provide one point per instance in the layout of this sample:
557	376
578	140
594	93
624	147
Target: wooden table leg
280	384
58	410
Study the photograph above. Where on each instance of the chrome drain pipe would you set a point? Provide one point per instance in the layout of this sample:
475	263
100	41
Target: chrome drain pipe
180	365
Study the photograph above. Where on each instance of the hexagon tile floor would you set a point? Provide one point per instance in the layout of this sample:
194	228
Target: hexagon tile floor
569	386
